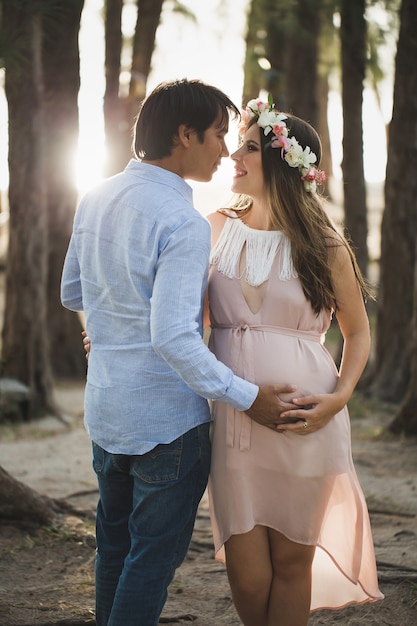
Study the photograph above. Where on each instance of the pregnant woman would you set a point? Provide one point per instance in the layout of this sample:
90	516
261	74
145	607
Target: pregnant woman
289	516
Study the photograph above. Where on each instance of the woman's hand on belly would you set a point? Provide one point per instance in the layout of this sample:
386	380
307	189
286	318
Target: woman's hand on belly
312	414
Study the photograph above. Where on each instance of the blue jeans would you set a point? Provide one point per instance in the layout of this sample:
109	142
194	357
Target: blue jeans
145	519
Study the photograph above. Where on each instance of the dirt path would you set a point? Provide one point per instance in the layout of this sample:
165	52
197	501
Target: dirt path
46	578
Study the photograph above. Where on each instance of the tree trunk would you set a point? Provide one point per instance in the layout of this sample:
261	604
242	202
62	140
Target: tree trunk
276	20
25	331
323	130
20	502
114	122
62	81
391	372
353	51
121	110
148	18
253	79
287	35
302	60
405	422
327	62
264	62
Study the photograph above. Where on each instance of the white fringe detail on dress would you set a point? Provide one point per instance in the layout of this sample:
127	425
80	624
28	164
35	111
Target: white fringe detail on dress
261	249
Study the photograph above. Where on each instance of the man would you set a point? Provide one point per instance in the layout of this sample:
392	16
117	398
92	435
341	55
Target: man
137	266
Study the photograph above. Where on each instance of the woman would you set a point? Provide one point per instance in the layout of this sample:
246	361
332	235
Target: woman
289	517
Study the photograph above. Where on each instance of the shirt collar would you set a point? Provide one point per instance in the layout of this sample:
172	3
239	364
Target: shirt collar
160	175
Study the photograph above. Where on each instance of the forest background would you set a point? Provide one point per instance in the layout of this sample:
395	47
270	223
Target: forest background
306	54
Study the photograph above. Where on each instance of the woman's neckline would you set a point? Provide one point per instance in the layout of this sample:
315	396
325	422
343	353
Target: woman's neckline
257	230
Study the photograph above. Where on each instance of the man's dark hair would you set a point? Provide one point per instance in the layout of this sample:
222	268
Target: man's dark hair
170	104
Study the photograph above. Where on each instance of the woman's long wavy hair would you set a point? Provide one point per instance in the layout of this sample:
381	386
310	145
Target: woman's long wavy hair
301	217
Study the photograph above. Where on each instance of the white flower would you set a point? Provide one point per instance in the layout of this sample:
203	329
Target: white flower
268	119
310	186
308	157
252	104
256	106
294	153
297	157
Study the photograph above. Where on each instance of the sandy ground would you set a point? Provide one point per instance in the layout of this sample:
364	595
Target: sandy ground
47	577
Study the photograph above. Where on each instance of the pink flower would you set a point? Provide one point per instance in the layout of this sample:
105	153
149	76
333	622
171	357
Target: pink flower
281	142
321	176
280	129
311	174
312	177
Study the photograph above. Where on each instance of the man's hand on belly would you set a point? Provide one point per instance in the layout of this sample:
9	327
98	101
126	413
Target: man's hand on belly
268	406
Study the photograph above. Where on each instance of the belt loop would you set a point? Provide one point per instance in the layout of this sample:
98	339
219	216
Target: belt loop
245	432
230	426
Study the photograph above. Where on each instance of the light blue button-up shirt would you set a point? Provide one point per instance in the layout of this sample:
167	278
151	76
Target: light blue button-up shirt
137	265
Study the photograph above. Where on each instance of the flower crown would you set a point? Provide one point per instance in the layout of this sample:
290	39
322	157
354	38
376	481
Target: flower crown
291	151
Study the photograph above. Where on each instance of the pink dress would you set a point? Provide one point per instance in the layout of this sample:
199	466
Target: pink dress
305	487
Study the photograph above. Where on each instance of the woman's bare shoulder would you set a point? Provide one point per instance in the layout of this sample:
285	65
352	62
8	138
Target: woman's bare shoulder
338	250
217	221
220	216
332	236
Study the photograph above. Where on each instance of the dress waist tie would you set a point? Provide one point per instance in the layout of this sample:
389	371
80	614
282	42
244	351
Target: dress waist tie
242	335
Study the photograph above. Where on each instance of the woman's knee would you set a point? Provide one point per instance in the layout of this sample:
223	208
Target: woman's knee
249	582
290	559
